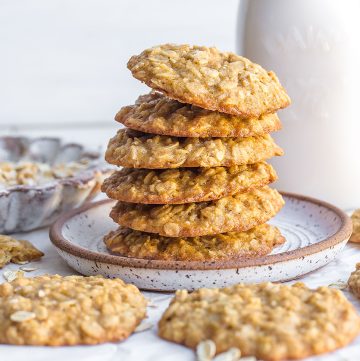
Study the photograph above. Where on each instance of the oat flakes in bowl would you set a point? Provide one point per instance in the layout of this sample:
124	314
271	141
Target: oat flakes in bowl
210	79
185	185
43	177
255	242
155	113
236	213
134	149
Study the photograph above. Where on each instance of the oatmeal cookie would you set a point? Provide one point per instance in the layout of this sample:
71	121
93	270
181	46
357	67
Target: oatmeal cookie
134	149
236	213
270	321
354	281
255	242
157	114
355	217
55	310
210	79
17	251
185	185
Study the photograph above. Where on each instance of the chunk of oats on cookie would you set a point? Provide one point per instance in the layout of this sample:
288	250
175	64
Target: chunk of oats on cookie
133	149
236	213
270	321
17	251
255	242
158	114
354	281
186	185
355	217
52	310
210	79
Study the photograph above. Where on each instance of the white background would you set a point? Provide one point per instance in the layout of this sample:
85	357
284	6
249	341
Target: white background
63	62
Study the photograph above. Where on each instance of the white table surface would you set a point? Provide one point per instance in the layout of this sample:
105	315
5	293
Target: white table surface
146	346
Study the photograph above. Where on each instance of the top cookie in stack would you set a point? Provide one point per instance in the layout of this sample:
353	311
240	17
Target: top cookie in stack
195	183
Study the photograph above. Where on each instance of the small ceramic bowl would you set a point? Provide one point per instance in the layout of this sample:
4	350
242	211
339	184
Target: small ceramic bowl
26	207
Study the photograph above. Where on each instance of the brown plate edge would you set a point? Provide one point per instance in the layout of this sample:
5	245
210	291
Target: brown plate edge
63	244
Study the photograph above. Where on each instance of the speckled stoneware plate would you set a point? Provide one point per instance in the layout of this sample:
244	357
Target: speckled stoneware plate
315	233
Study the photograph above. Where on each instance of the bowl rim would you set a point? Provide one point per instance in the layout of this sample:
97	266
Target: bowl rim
61	243
83	177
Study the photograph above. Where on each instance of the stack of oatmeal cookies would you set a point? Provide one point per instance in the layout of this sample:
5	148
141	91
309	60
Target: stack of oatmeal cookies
194	186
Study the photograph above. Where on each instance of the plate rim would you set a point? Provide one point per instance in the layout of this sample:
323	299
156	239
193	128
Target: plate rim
60	242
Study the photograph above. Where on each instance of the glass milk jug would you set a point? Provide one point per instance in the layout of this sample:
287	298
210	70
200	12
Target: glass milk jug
313	46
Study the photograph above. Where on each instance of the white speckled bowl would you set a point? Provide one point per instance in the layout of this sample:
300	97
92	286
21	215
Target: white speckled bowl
23	208
315	233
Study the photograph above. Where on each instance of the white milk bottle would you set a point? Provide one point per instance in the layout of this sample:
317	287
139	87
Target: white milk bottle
313	46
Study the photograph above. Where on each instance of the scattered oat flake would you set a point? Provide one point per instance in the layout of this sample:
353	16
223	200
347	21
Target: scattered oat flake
22	262
28	269
12	275
205	350
144	326
20	316
338	285
152	304
233	354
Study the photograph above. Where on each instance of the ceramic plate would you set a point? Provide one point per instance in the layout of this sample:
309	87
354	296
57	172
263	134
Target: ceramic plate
315	233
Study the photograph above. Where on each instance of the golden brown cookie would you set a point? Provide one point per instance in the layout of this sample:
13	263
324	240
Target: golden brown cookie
17	251
355	217
236	213
354	281
157	114
74	310
133	149
186	185
255	242
210	79
270	321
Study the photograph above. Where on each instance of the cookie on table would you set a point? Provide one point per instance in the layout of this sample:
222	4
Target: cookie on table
74	310
354	281
158	114
210	79
134	149
355	217
236	213
186	185
17	251
255	242
270	321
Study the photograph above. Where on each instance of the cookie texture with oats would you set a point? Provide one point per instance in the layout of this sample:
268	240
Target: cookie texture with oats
354	281
73	310
210	79
17	251
134	149
255	242
355	236
158	114
236	213
270	321
185	185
